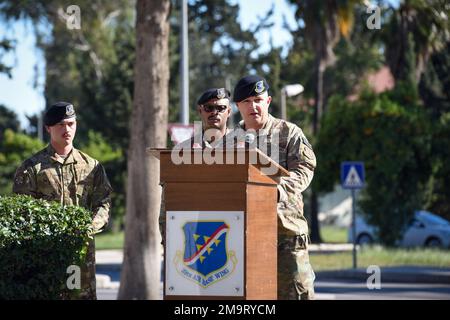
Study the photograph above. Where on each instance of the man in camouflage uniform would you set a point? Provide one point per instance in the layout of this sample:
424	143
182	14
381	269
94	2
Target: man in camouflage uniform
295	274
64	174
214	109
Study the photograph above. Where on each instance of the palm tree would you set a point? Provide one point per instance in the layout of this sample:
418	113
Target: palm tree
322	22
420	27
140	278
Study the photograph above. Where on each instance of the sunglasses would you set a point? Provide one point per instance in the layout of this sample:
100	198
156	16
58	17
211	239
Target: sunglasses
212	107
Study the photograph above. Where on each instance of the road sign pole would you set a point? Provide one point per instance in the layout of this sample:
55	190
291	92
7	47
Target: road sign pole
352	177
354	229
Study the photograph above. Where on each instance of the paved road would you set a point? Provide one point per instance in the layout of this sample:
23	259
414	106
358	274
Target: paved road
338	289
355	290
107	294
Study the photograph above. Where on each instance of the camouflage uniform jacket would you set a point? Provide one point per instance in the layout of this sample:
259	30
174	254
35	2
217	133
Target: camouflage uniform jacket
76	180
297	156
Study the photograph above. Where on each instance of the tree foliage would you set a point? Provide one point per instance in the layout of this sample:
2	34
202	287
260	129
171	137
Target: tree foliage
98	148
8	120
6	46
14	149
394	142
220	51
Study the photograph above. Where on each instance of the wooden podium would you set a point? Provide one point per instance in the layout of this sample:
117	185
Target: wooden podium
242	186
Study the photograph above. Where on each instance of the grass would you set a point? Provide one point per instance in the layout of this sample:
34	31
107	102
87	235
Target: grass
109	240
332	234
374	255
383	257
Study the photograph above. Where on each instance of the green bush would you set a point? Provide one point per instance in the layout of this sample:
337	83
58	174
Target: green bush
39	240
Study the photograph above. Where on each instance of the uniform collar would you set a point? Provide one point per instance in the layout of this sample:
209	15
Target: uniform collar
266	127
72	157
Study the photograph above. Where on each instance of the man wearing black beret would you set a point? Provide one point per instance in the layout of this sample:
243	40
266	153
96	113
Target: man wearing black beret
214	109
64	174
295	274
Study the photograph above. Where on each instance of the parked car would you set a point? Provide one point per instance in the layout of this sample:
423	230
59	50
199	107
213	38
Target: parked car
424	229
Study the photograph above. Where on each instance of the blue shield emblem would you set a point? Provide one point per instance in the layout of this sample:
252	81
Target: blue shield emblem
205	246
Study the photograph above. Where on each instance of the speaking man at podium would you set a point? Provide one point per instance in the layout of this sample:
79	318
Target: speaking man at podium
295	274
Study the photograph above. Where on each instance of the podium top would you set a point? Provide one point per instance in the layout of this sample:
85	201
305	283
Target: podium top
263	159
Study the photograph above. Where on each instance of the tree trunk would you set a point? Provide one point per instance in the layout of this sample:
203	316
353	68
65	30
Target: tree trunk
141	268
318	111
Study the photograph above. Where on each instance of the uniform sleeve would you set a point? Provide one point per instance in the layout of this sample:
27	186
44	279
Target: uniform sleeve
101	199
301	162
25	181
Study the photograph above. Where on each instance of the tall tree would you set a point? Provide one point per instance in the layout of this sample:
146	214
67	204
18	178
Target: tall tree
418	26
140	278
321	24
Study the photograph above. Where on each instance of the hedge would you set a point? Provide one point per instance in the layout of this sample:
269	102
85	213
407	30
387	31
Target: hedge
39	240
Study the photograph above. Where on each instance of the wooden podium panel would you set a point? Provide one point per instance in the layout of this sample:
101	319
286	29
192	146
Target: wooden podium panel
261	243
230	187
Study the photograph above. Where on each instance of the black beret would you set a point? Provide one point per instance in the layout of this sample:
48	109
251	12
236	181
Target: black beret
58	112
214	93
249	86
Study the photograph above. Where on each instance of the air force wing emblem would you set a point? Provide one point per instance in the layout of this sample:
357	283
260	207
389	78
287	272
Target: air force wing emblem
205	259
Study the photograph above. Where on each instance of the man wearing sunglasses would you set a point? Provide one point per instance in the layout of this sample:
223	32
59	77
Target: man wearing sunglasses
295	274
214	109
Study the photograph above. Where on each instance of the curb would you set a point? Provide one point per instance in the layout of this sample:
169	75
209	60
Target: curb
103	281
330	248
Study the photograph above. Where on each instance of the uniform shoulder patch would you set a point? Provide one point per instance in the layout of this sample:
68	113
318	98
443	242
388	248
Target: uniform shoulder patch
306	142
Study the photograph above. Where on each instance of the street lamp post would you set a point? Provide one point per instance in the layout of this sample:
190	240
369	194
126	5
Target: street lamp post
184	64
40	126
289	90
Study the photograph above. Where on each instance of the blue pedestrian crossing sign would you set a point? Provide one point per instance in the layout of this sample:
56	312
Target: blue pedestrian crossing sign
352	175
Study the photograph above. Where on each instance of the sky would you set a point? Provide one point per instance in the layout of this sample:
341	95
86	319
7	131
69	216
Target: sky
20	95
